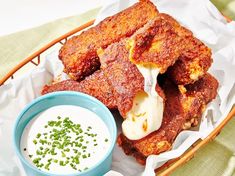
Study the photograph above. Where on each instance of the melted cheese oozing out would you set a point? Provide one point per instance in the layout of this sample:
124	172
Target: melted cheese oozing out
147	110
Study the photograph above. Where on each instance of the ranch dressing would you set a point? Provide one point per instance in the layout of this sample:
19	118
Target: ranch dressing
47	136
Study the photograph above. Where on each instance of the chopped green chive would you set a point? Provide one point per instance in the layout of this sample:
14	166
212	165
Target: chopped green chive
47	166
59	137
38	135
63	154
67	150
36	160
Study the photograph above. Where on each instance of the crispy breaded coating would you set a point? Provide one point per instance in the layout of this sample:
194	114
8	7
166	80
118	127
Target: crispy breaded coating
163	42
155	44
95	85
182	110
193	63
195	58
116	84
79	53
123	76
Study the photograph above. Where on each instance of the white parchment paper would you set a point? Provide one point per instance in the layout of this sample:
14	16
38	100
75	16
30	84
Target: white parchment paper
207	24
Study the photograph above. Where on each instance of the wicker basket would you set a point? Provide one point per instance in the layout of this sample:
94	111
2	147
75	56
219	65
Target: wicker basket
168	167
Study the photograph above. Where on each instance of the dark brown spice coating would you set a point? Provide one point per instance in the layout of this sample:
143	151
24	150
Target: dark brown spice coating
193	63
163	42
95	85
195	58
116	84
179	109
156	43
123	76
79	53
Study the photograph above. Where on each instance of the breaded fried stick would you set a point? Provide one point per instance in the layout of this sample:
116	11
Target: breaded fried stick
79	53
95	85
163	42
118	60
195	58
182	110
157	44
123	76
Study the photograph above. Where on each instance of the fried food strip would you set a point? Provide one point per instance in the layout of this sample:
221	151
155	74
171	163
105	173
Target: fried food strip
193	63
164	42
95	85
195	58
123	76
79	53
182	110
157	44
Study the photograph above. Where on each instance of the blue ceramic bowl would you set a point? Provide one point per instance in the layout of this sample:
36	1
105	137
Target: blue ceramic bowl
65	98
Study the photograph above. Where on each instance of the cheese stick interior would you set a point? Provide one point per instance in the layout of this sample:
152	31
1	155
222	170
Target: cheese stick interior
182	110
79	54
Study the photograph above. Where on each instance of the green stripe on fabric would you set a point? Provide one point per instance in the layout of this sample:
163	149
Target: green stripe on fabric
16	47
212	159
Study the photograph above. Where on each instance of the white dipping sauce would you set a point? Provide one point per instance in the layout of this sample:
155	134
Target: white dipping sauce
97	140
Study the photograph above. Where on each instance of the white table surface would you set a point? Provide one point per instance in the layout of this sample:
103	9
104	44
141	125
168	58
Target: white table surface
18	15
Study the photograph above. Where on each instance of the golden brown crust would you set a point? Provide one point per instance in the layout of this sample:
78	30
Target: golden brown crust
116	84
156	43
179	109
195	58
79	53
193	63
123	76
95	85
163	42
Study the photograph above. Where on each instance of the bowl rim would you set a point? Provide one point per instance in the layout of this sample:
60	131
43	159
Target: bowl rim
68	93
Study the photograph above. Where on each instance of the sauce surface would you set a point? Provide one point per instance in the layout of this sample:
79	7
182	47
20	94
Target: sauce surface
65	139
